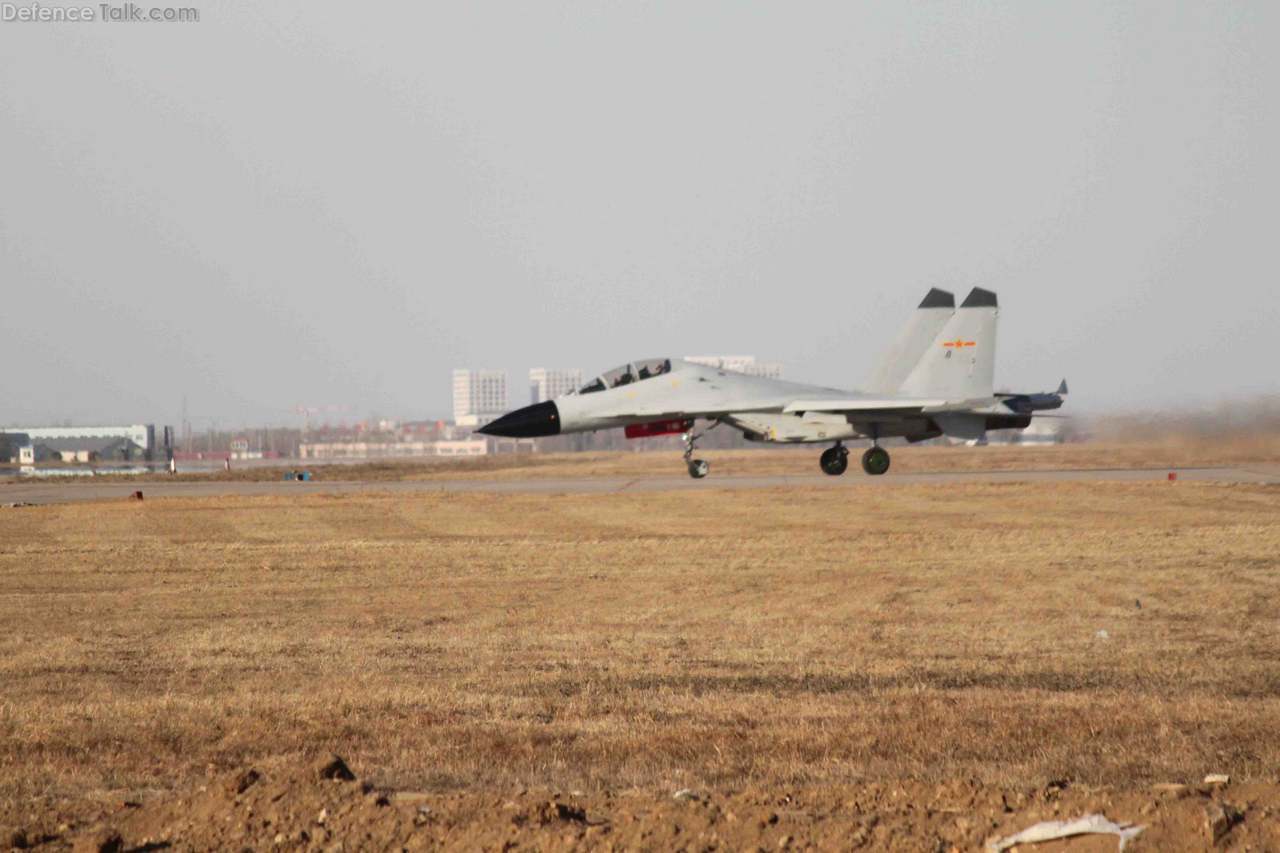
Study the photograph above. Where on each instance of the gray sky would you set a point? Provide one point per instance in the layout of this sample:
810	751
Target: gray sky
309	202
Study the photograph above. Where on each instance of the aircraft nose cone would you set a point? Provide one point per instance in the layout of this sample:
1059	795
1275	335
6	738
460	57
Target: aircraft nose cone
529	422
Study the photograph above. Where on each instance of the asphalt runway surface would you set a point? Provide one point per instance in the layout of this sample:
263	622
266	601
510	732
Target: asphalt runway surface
91	489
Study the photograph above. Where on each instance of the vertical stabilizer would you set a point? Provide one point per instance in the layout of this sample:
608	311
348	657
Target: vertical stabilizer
959	364
912	342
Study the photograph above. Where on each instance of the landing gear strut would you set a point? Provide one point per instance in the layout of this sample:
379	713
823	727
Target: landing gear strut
834	460
875	461
698	468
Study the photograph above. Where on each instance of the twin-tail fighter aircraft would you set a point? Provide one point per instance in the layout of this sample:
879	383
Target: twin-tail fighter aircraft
936	379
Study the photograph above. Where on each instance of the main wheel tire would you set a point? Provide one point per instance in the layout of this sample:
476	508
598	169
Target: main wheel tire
834	461
699	468
875	461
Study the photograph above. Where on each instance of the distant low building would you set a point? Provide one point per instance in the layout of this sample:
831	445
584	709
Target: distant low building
739	364
392	449
201	455
16	447
87	449
95	438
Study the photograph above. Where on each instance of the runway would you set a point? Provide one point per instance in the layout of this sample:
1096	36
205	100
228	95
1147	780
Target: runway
91	489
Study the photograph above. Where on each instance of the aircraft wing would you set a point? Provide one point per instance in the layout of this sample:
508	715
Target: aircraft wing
861	405
708	411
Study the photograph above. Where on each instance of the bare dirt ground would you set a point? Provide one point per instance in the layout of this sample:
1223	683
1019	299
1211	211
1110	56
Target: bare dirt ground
313	807
921	667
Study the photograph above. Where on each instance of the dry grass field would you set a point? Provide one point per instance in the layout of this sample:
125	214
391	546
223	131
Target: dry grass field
743	643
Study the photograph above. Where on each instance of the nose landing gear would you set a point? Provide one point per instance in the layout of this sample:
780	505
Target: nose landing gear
698	468
834	460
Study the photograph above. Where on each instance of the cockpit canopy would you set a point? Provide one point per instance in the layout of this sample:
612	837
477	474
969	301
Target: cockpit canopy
636	371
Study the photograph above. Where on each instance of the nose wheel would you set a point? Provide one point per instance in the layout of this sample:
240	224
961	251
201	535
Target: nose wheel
834	460
698	468
875	461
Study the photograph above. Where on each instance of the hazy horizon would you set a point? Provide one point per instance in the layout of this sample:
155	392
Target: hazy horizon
323	204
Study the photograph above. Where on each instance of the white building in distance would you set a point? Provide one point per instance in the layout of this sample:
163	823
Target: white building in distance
740	364
479	396
548	383
70	439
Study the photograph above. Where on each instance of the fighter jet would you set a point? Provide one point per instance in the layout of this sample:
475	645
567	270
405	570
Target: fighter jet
936	379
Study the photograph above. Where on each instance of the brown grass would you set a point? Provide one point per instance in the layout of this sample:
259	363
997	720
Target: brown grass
713	638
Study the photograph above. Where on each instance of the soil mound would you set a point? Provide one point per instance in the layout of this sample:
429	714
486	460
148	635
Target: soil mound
326	806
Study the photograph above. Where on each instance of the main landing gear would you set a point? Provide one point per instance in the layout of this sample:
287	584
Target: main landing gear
875	461
698	468
834	460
